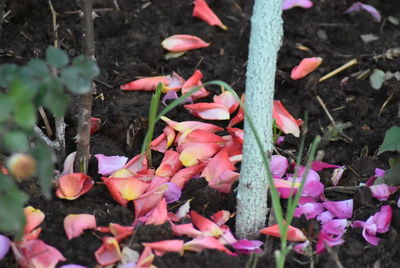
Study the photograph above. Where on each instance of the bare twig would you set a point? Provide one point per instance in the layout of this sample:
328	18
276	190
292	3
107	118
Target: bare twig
325	109
53	144
46	121
83	135
338	70
385	103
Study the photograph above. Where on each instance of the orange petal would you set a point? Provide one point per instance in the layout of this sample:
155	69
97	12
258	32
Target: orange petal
208	111
227	99
185	229
185	125
149	200
159	214
164	141
109	252
164	246
218	164
191	83
305	67
205	242
72	186
75	224
34	217
183	42
170	164
293	234
284	120
205	225
193	152
185	174
147	83
124	190
203	11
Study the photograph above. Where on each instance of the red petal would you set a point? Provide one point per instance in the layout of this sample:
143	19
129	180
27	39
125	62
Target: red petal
203	11
305	67
205	225
75	224
147	83
239	117
185	125
145	259
137	164
73	185
184	175
183	42
198	136
170	164
221	217
162	247
94	125
208	111
218	164
191	83
293	234
109	252
284	120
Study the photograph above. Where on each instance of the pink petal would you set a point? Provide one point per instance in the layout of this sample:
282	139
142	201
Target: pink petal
203	11
185	125
223	182
198	136
205	225
301	247
109	164
164	141
164	246
383	219
341	209
325	217
278	166
313	189
221	217
208	111
147	83
173	193
239	117
206	242
358	6
137	164
286	188
285	120
309	210
182	42
34	217
217	165
335	227
194	152
158	214
68	167
326	239
288	4
185	174
72	266
4	246
146	258
109	252
73	185
170	164
185	229
149	200
75	224
244	246
306	66
293	234
227	99
319	165
120	232
191	83
171	95
382	191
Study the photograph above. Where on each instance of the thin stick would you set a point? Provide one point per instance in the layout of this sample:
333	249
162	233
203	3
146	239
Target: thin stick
40	134
46	121
325	109
338	70
54	20
385	103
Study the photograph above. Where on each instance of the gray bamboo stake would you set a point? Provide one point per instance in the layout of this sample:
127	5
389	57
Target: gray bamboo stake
265	41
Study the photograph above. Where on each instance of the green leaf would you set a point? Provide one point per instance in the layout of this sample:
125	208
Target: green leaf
20	92
16	141
56	57
12	202
74	82
88	68
45	166
392	175
25	115
391	142
377	78
54	98
6	107
37	69
7	74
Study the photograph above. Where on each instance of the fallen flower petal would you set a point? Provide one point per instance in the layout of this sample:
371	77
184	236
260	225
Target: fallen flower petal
335	227
358	6
170	95
183	210
198	136
192	153
109	164
203	11
183	42
325	239
206	242
288	4
94	125
337	175
193	82
205	225
185	125
146	83
319	165
109	252
293	234
120	232
185	229
382	191
137	164
170	164
218	164
148	201
306	66
286	188
72	266
223	182
73	185
164	141
227	99
278	166
75	224
239	117
68	167
34	217
162	247
245	246
309	210
341	209
185	174
158	215
284	120
173	193
4	246
221	217
325	217
146	258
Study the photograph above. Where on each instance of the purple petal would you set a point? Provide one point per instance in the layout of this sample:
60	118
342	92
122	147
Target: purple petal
383	219
379	172
325	217
279	140
4	246
382	191
341	209
109	164
170	95
173	193
326	239
358	224
309	210
357	7
372	239
288	4
245	246
313	189
398	202
319	165
335	227
278	166
301	247
72	266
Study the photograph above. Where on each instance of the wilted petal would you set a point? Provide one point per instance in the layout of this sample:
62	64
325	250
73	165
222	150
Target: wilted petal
146	258
4	246
284	120
171	95
206	242
234	148
382	191
341	209
34	217
244	246
301	247
205	225
309	210
203	11
109	252
164	246
278	166
185	125
73	185
305	67
109	164
325	239
358	6
193	82
208	111
293	234
337	175
183	42
146	83
193	152
158	215
288	4
183	210
198	136
170	164
383	218
223	182
227	99
75	224
120	232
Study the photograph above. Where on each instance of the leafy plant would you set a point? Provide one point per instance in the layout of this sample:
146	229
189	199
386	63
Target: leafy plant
23	89
391	143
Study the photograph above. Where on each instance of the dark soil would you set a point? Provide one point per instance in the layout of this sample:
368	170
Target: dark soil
128	46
